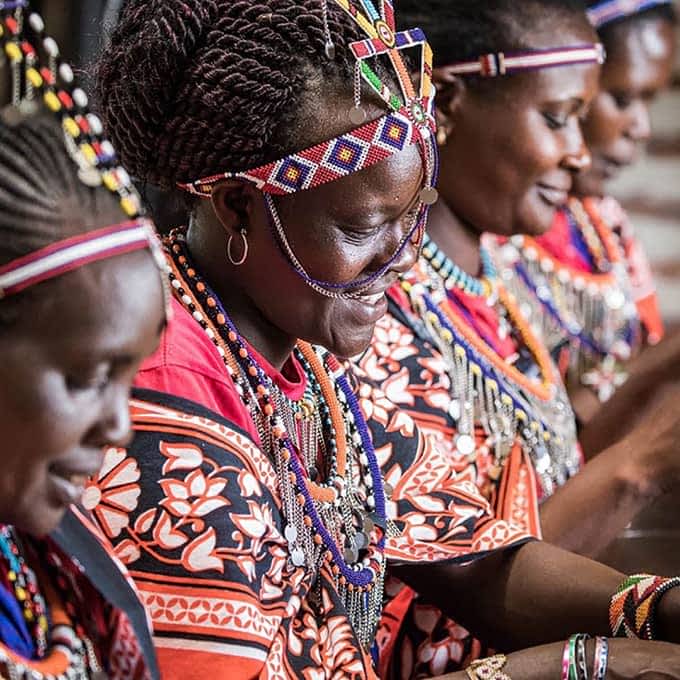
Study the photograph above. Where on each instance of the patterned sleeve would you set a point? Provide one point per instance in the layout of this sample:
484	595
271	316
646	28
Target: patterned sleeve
191	509
440	516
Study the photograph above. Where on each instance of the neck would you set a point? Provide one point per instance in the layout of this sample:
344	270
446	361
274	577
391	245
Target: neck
270	341
459	242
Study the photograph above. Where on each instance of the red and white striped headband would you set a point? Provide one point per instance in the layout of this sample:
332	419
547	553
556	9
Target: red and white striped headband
504	63
605	12
72	253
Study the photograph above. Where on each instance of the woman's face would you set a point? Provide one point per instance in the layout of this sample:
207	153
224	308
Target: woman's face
341	232
639	64
64	383
515	144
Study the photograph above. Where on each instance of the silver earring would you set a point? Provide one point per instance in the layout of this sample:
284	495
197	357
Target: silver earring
244	256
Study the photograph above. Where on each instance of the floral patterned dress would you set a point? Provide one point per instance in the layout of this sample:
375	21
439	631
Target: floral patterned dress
193	509
404	376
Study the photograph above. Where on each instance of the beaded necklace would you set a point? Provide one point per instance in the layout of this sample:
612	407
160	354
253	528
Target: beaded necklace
329	479
63	650
595	311
490	392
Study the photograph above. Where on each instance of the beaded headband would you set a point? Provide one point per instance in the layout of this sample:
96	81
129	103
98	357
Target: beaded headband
73	253
54	83
604	13
505	63
410	118
40	75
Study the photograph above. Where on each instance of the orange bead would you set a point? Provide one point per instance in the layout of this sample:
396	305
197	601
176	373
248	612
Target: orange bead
191	272
252	370
211	303
308	522
268	410
200	287
243	353
221	320
317	539
301	499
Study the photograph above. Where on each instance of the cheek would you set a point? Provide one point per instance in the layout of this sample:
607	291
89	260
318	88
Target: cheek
604	123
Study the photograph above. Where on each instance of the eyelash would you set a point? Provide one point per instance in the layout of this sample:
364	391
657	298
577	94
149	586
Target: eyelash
79	385
554	123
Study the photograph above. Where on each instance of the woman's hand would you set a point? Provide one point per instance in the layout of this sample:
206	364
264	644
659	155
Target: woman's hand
628	660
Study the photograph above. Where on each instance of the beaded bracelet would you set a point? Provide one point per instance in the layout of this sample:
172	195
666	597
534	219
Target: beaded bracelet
488	669
633	607
601	658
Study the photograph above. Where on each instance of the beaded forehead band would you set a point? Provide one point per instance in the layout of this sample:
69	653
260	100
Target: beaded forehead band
604	13
73	253
40	75
410	118
505	63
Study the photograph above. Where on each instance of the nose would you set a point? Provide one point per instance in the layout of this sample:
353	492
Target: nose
576	154
114	426
640	127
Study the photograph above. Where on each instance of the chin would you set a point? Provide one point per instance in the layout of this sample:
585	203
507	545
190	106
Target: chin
40	520
349	347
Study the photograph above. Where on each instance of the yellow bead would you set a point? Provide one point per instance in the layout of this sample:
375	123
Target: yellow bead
34	77
20	593
89	153
52	102
28	615
71	127
129	206
110	182
13	52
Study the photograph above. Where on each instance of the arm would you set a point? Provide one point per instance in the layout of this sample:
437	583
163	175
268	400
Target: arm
533	595
627	659
618	483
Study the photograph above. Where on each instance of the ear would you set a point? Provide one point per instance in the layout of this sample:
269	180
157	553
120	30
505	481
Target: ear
451	92
235	205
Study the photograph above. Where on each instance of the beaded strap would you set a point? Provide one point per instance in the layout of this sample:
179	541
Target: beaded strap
604	13
505	63
633	607
24	41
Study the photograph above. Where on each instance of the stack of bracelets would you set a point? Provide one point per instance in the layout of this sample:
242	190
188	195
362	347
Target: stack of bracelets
632	614
575	662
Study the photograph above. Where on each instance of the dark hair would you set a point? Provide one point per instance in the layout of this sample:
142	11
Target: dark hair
610	33
464	29
42	199
190	88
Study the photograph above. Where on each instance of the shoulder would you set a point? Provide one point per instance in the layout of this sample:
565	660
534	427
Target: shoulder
188	366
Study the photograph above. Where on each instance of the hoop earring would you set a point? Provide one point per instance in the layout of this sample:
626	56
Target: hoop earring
244	257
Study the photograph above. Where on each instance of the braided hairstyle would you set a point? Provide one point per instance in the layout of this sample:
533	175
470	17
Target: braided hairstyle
459	30
191	88
42	199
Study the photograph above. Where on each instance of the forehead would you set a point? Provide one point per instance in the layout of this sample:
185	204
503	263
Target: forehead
103	307
640	55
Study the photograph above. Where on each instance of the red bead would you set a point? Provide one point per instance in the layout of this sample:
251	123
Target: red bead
65	99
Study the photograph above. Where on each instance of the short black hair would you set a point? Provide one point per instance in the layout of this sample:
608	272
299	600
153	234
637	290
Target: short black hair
464	29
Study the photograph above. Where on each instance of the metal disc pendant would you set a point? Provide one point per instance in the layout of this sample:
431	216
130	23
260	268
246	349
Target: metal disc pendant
361	541
465	444
351	554
429	195
291	533
388	489
357	115
330	50
368	525
297	557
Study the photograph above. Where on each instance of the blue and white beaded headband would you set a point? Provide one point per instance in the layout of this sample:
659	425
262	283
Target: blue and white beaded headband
604	13
504	63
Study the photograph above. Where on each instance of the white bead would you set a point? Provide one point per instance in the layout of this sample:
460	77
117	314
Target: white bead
36	22
66	72
95	124
176	284
370	502
122	172
108	150
198	316
186	299
210	333
80	98
51	47
465	444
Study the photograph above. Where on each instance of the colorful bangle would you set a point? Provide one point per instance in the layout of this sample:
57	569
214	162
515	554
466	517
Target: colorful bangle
566	658
601	658
488	669
578	669
633	607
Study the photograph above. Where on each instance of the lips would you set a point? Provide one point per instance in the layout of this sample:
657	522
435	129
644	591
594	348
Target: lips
373	298
555	196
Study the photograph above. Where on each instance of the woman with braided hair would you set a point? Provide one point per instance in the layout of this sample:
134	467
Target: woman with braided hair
260	528
73	241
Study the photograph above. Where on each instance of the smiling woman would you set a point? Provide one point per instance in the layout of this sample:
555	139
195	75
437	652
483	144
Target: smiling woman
72	241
